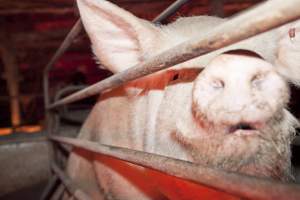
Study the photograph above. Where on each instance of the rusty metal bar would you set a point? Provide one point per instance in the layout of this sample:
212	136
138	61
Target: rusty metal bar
169	11
71	187
240	185
268	15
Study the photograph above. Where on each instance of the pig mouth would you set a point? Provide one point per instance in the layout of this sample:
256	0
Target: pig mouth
243	129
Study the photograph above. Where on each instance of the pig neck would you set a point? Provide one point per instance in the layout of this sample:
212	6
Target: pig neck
264	155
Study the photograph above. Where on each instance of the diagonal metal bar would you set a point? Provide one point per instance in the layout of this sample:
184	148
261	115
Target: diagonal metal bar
71	187
57	195
169	11
49	188
232	183
268	15
76	29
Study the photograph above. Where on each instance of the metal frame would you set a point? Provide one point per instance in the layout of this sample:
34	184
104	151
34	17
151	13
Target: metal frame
264	17
51	117
71	187
62	115
250	23
248	187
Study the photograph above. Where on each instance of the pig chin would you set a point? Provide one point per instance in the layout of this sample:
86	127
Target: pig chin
258	149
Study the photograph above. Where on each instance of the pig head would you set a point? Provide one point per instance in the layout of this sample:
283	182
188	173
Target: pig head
230	115
245	129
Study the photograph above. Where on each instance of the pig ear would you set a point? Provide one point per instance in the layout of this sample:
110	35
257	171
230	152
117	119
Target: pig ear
118	37
288	52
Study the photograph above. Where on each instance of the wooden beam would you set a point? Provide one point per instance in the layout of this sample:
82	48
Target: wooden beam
12	77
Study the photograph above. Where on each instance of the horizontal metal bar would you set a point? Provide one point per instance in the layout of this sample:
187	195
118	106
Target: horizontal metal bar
71	187
169	11
63	92
243	186
268	15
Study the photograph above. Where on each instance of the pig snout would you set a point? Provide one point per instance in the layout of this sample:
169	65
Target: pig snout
238	92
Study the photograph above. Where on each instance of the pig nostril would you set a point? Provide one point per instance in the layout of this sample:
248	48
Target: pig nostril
257	79
218	84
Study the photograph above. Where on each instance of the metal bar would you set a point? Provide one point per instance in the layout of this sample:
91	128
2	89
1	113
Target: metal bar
169	11
71	187
62	115
57	195
240	185
63	47
49	188
76	30
66	148
70	88
250	23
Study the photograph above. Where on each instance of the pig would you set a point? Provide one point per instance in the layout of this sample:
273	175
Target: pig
226	110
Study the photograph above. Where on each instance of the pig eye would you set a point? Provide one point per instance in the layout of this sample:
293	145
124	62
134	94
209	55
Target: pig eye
218	84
